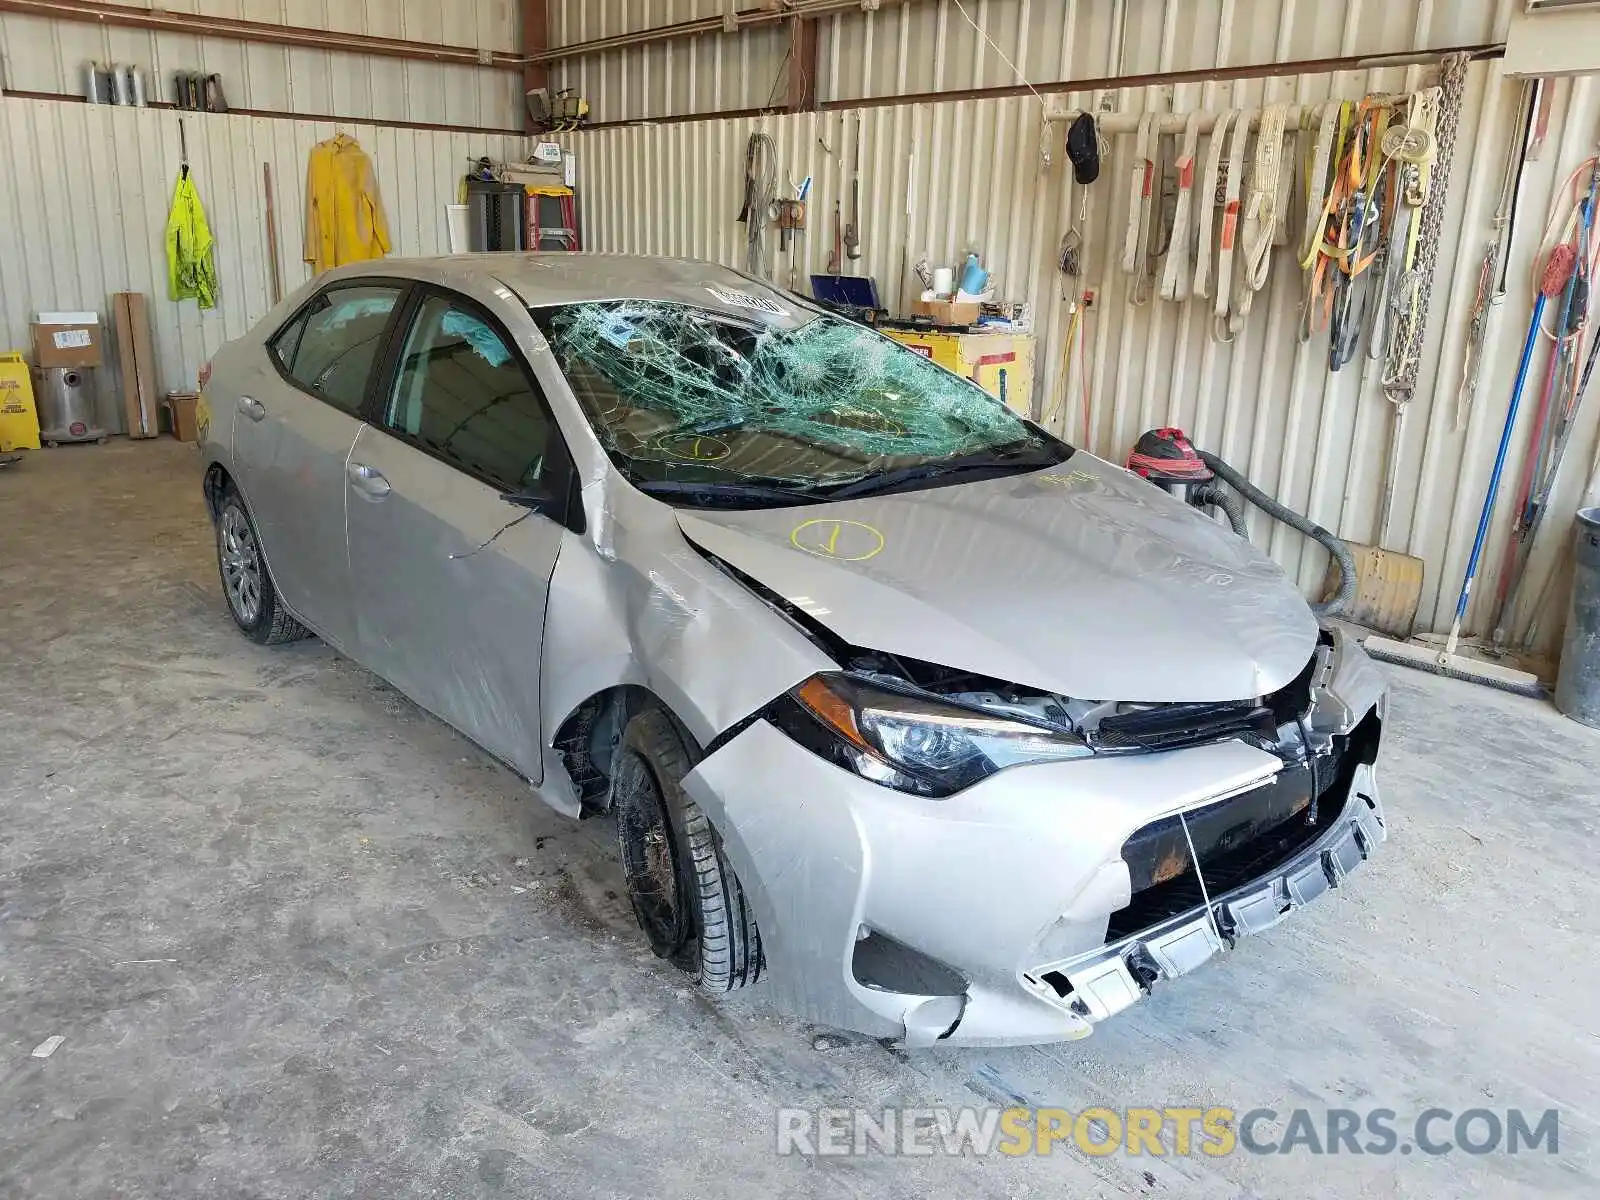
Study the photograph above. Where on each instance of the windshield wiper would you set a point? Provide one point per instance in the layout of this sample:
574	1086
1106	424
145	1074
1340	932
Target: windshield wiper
710	494
1024	457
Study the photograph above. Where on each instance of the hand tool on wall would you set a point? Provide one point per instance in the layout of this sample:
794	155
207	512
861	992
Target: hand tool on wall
274	274
1405	189
791	218
1557	407
836	257
1447	661
1492	276
852	231
1540	609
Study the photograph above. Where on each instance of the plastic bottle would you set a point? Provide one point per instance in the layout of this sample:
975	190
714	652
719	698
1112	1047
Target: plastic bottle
974	279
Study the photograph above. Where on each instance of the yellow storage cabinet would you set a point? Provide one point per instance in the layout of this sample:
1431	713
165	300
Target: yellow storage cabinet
1000	363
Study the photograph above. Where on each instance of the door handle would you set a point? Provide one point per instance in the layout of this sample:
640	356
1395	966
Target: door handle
251	408
369	481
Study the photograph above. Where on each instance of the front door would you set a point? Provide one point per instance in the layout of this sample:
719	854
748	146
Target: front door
299	407
449	577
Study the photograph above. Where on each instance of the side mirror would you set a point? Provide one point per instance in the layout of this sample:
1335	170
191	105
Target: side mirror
553	496
537	497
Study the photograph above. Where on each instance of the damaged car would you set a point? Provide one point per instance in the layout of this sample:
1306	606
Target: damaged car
947	731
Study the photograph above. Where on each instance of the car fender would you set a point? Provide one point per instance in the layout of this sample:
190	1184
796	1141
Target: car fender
633	603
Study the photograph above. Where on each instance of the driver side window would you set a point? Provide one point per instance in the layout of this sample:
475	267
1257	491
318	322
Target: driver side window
463	395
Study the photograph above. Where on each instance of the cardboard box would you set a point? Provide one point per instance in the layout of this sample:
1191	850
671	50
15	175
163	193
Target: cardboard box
130	317
74	345
181	411
947	313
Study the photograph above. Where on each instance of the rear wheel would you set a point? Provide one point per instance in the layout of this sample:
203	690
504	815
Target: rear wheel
684	893
252	600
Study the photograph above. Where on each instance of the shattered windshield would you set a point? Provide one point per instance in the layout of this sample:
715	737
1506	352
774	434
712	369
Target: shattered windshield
703	408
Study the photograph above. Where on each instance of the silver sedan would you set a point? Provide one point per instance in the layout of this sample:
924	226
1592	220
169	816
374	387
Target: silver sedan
950	731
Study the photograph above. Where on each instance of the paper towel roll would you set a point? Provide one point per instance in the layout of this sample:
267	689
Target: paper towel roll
944	281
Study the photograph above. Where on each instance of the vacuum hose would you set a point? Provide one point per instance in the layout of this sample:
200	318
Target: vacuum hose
1335	547
1211	495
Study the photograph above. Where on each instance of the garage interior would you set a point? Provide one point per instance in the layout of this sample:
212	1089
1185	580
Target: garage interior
269	929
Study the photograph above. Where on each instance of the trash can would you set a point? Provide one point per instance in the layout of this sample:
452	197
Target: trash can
1578	685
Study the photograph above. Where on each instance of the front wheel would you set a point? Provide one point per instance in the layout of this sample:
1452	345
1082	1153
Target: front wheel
252	600
685	895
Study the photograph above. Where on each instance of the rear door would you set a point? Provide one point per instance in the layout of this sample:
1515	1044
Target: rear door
299	410
449	576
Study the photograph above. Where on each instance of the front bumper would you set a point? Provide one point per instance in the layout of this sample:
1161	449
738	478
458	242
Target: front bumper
994	904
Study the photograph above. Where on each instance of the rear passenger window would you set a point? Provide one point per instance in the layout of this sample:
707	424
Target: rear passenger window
463	395
331	348
288	341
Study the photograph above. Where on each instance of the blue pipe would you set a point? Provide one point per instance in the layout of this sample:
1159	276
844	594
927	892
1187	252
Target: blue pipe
1500	459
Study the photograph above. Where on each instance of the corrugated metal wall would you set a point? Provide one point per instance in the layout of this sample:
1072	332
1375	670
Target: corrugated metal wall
711	73
930	46
84	201
939	179
42	55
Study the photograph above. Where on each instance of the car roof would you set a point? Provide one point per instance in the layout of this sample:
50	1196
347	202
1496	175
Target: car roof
566	277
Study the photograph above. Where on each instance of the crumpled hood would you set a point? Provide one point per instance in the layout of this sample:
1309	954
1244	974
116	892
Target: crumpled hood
1080	579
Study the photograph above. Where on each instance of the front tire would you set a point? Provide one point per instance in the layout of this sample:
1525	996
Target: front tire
687	899
252	600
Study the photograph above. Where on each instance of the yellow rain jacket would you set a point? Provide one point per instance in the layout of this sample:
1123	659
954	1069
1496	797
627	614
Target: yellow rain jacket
344	217
191	265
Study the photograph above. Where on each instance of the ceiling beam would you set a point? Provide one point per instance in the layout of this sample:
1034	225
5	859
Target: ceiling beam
766	12
195	24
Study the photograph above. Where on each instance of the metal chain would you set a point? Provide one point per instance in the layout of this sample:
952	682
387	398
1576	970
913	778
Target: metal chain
1452	83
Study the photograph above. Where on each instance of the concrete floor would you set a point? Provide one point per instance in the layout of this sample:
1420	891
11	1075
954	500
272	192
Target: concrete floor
302	939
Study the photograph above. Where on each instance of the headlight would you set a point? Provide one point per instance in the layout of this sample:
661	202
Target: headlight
911	743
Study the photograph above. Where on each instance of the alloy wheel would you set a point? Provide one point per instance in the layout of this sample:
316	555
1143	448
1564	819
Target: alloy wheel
241	565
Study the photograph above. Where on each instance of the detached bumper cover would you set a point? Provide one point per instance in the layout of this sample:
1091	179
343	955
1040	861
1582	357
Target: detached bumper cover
1102	984
1009	885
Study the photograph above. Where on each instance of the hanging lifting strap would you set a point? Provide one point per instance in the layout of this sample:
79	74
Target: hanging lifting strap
1208	199
1317	181
1260	211
1326	229
1239	138
1175	274
1141	179
1358	230
1288	163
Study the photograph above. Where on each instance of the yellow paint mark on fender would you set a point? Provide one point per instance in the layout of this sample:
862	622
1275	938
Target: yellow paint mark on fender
847	541
1070	479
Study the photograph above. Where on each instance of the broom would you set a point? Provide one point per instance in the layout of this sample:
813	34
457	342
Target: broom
1559	268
